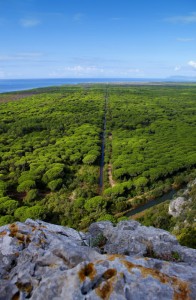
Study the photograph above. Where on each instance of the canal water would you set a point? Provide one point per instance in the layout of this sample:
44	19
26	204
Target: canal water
168	196
103	147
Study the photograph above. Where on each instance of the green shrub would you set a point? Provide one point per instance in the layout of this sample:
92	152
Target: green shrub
95	204
107	217
55	184
3	187
98	241
53	173
31	195
187	237
89	159
35	212
20	213
4	199
26	176
26	186
8	207
6	220
122	219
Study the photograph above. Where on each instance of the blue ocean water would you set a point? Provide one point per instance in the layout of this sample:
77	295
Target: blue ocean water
11	85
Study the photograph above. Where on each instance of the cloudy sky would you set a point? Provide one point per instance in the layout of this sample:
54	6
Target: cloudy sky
97	38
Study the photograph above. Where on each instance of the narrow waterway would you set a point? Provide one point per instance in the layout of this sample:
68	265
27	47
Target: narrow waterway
141	208
101	176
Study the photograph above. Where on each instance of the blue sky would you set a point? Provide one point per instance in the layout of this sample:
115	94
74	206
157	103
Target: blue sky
97	38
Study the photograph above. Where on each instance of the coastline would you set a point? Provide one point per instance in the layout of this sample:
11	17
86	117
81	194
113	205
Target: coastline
19	85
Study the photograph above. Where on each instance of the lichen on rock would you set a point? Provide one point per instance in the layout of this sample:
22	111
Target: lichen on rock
39	261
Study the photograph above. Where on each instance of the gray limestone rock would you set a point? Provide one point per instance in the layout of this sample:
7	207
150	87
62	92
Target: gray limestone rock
130	238
44	261
176	206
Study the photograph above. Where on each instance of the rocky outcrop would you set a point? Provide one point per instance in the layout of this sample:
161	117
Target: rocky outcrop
176	206
180	204
44	261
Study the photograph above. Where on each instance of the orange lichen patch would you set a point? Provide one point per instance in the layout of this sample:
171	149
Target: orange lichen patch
88	271
113	257
145	272
28	239
27	287
64	259
42	226
109	274
16	296
13	229
155	274
128	264
100	261
181	288
104	290
3	233
14	232
23	238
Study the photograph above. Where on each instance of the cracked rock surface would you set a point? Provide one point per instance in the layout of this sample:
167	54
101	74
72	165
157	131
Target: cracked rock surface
39	261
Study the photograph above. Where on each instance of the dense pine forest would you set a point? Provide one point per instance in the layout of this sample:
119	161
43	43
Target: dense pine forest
53	142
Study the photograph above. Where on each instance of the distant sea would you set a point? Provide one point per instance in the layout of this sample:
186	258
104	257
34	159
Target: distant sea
11	85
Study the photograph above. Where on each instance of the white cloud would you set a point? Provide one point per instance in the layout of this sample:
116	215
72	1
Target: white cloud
177	68
192	64
83	70
29	22
77	71
80	68
21	56
29	55
185	40
186	19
